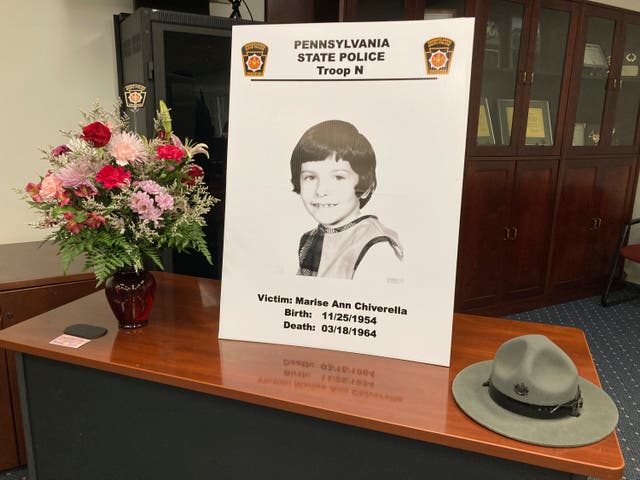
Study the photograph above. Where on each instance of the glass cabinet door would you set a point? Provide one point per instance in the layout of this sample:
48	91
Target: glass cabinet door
546	102
594	81
525	76
502	50
628	90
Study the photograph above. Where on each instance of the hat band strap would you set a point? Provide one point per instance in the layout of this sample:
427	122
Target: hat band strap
571	408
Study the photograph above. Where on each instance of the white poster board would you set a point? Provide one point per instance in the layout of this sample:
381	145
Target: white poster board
354	250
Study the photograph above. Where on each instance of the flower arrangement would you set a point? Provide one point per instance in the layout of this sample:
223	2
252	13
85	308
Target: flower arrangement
118	197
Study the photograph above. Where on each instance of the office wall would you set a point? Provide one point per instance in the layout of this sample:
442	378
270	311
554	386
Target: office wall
628	4
58	57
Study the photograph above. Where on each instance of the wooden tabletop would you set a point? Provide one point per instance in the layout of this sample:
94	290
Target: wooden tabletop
32	264
180	347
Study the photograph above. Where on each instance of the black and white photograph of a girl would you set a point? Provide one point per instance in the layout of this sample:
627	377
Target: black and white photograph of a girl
333	171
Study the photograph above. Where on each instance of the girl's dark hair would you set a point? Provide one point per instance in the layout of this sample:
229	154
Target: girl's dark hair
342	138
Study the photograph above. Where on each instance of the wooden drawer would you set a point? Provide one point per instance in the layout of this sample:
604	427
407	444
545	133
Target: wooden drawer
16	306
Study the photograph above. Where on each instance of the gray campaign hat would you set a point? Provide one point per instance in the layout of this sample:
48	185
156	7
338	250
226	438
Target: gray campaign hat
531	392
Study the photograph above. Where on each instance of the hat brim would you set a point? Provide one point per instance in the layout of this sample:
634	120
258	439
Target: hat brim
598	418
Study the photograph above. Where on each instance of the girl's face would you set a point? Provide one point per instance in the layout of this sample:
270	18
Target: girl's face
328	191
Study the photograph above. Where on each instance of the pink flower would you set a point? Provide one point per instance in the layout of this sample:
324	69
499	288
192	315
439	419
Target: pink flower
150	186
64	197
79	172
113	177
94	221
34	191
153	214
50	188
164	201
74	227
170	152
86	190
60	150
127	148
140	202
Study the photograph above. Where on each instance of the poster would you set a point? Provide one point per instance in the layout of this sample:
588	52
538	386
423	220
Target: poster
344	177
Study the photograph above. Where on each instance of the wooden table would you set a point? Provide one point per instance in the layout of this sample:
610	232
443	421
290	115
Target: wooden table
31	282
170	400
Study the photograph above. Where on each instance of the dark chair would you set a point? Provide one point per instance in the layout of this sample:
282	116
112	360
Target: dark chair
628	252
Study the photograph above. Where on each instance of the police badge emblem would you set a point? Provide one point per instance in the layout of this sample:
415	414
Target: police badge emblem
134	96
438	54
254	59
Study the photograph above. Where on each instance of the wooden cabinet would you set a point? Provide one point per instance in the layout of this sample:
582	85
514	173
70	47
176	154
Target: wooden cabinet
507	211
595	199
31	283
557	79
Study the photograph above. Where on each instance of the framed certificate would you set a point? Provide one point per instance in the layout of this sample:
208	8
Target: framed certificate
538	122
505	112
485	127
593	56
579	131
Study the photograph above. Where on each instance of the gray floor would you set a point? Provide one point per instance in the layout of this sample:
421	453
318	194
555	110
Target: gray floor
613	334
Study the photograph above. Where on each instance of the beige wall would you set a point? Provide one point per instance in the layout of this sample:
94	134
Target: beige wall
58	57
628	4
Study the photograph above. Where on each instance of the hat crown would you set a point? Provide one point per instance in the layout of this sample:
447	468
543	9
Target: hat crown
534	370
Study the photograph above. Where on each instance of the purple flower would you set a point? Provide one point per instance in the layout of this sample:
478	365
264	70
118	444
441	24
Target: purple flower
164	201
151	187
76	174
153	214
59	150
141	202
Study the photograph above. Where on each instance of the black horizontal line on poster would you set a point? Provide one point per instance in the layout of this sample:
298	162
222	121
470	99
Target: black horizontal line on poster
339	79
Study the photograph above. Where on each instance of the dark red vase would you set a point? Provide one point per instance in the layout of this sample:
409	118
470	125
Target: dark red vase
130	295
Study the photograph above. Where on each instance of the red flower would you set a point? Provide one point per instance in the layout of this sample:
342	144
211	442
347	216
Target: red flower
97	134
195	171
111	176
94	221
72	225
33	190
85	191
170	152
64	198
